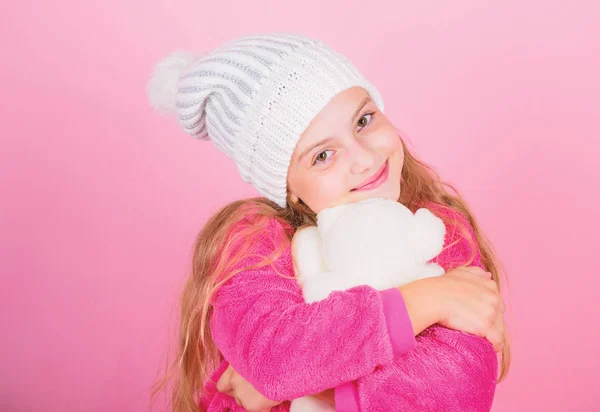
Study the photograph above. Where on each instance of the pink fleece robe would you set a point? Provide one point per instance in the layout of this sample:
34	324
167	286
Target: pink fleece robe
358	341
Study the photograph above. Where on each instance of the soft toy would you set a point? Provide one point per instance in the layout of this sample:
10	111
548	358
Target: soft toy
375	242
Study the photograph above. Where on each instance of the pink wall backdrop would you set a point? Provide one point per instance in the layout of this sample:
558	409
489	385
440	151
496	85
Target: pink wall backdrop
100	199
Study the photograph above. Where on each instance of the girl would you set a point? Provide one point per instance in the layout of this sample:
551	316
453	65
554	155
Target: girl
308	131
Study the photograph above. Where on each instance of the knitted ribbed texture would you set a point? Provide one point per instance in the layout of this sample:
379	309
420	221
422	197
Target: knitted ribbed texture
254	97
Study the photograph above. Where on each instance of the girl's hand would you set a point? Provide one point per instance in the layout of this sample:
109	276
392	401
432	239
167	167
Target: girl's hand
327	396
465	298
231	383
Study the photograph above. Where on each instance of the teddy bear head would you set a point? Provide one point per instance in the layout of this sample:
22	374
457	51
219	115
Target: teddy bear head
369	235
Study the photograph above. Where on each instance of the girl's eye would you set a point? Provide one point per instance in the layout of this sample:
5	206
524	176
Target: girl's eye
365	120
322	157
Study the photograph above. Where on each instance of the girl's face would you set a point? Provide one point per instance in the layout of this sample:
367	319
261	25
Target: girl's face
349	152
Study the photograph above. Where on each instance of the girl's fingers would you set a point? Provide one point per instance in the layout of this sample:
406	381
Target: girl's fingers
224	382
496	334
499	323
476	270
495	339
502	306
237	401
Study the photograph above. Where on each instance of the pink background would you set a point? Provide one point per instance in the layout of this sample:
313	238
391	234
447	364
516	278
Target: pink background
100	199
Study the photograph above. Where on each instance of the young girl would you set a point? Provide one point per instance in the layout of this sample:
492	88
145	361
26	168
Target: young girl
308	131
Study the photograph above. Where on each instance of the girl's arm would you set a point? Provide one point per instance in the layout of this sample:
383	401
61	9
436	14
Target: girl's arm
447	370
287	348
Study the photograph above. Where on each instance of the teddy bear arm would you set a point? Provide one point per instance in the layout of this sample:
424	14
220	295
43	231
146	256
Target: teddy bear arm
430	231
307	253
320	286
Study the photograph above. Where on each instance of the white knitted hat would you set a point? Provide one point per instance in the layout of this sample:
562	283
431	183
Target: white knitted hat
254	97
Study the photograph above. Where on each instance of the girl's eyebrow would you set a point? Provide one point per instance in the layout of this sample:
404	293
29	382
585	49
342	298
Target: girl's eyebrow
319	143
363	103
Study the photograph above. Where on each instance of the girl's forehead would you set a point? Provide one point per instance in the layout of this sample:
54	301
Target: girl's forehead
346	101
340	111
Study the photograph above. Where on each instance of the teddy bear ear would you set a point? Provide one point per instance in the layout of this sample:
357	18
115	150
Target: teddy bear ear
327	217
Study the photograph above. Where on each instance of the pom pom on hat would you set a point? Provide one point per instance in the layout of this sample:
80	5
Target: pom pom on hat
162	88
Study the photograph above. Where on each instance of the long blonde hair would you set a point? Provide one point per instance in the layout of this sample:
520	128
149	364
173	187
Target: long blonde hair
219	248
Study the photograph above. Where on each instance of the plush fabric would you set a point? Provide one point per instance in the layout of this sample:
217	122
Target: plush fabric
358	341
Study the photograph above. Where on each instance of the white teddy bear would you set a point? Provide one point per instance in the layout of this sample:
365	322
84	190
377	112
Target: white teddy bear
375	242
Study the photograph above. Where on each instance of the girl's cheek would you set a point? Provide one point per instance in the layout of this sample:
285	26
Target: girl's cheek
330	188
393	141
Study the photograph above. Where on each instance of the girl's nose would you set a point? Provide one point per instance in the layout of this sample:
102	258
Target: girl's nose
362	157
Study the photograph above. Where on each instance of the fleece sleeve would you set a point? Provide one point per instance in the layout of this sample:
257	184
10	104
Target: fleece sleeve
287	348
446	371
